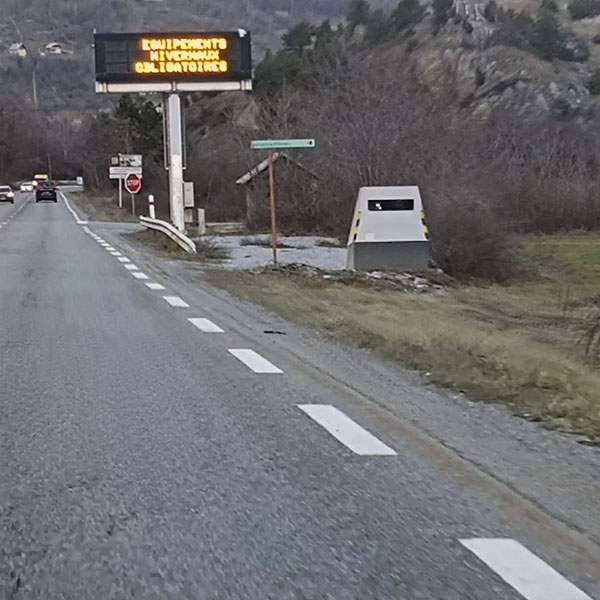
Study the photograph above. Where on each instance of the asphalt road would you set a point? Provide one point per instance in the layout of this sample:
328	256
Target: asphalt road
143	456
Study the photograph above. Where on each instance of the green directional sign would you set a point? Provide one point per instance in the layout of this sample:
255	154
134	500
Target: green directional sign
282	144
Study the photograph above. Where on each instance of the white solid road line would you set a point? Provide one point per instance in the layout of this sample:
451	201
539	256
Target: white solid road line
345	430
139	275
123	259
206	325
131	267
176	302
75	215
155	286
523	570
254	361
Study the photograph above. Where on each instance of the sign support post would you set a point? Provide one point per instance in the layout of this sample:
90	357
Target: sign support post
120	193
271	146
273	204
175	164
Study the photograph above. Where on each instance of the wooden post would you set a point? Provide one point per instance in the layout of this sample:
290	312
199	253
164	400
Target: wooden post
273	204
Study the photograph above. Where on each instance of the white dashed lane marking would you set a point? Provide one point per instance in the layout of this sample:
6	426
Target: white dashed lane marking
131	267
123	259
155	286
254	361
346	431
206	325
110	248
139	275
115	253
176	302
523	570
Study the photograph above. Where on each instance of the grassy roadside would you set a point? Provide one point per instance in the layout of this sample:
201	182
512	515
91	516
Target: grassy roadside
529	345
105	208
161	244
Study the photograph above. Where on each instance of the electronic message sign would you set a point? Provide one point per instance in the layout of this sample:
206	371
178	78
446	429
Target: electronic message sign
129	62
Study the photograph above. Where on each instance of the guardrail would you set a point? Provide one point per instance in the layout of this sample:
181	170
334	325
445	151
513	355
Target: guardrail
171	231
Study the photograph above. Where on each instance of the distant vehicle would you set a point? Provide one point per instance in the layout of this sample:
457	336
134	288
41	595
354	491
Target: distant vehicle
39	178
6	194
46	190
26	186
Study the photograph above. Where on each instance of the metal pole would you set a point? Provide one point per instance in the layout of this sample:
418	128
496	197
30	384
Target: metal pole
273	204
133	204
49	166
120	192
151	209
175	146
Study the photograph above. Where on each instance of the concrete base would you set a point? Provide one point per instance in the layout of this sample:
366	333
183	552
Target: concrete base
392	256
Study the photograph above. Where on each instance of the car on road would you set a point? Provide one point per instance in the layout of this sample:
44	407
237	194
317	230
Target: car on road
6	194
46	190
26	186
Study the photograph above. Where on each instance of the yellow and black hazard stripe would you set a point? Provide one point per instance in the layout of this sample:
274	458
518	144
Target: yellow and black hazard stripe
425	227
357	226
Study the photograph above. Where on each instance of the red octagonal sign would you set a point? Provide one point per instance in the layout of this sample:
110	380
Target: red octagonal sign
133	183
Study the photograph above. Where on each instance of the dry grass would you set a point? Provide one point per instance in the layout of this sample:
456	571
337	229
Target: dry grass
207	248
106	208
522	345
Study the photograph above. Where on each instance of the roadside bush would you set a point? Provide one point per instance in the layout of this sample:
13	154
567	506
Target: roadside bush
468	241
596	39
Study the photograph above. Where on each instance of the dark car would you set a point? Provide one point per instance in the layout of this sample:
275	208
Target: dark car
46	190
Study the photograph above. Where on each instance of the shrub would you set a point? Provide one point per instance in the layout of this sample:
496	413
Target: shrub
581	9
596	39
594	83
468	241
550	6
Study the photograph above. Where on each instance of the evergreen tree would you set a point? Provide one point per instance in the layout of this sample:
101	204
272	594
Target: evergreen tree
298	38
490	11
594	83
379	28
408	12
358	13
442	10
550	6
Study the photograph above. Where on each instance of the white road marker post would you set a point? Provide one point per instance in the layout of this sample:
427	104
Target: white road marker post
151	208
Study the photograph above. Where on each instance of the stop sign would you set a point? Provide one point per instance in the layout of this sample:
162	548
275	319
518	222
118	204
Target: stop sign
133	183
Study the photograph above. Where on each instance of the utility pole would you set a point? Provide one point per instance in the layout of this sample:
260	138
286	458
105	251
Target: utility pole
49	166
34	85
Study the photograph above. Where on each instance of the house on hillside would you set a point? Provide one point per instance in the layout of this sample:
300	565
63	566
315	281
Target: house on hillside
56	48
296	188
18	49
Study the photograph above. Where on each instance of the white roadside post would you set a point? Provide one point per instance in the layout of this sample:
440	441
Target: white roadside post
175	165
151	209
